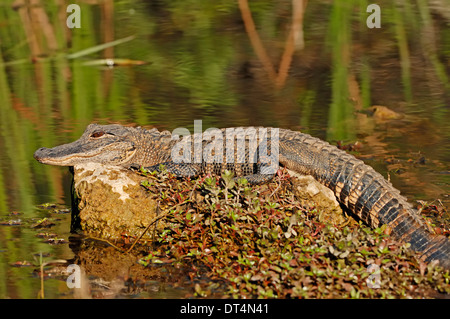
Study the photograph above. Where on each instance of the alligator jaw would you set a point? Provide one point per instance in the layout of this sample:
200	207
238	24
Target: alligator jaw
44	155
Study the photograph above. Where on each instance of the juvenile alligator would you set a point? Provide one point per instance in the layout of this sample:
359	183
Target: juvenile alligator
357	186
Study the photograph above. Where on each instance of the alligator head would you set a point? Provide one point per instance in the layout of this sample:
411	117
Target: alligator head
105	144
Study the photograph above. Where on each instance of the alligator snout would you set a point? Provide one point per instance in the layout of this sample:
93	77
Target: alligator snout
46	155
40	153
50	156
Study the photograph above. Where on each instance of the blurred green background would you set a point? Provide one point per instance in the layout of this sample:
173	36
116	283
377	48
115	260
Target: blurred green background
312	66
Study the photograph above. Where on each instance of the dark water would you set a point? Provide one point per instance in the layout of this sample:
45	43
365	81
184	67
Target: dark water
202	64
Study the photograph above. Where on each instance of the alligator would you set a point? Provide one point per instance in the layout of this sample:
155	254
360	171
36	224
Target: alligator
357	186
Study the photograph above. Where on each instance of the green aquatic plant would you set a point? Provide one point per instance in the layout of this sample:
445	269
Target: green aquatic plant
280	248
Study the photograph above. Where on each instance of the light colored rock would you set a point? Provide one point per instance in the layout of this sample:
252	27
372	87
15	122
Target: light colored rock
109	175
112	204
316	195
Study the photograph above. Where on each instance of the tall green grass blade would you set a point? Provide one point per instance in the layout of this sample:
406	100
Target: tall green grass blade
402	43
340	120
99	47
430	45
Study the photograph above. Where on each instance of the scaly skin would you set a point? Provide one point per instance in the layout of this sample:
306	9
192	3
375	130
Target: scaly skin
363	191
357	186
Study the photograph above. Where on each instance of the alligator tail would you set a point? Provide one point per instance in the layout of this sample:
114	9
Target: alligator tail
363	191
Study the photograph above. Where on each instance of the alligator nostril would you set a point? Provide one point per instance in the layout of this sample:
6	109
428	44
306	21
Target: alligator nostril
38	153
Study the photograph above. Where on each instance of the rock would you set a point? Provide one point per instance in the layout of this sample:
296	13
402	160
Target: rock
383	113
315	195
111	202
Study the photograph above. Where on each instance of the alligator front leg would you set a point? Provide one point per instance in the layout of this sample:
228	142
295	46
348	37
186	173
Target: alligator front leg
257	179
264	175
177	169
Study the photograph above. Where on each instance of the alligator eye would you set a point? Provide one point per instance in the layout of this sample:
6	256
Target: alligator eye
97	134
